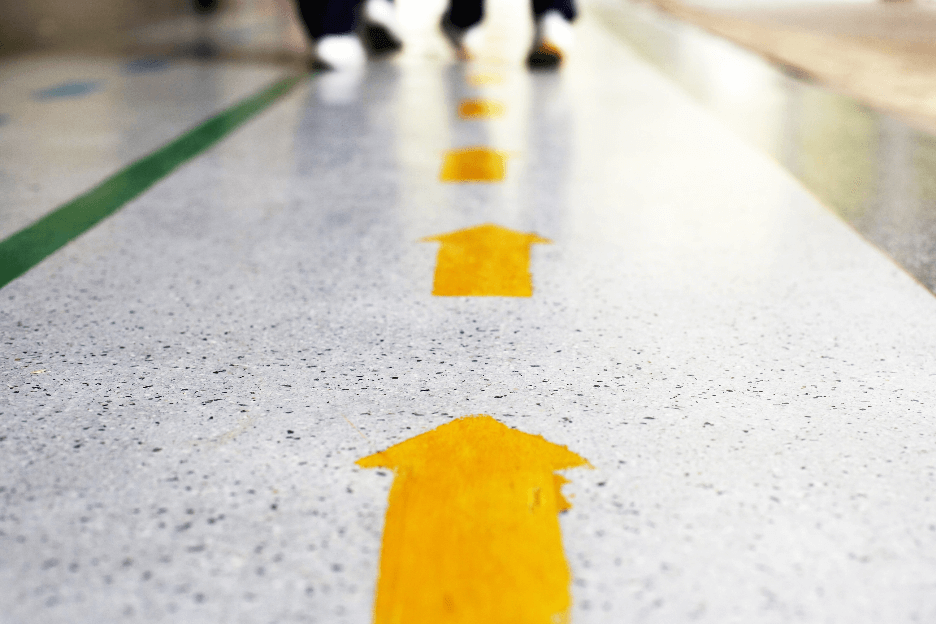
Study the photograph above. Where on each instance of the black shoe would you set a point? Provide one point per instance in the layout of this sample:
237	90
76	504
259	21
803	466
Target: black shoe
554	37
380	40
378	25
544	56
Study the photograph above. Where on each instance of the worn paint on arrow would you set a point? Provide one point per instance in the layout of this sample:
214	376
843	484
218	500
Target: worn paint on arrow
472	529
474	164
480	109
484	261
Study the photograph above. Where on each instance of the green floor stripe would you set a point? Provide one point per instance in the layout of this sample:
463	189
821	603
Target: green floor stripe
28	247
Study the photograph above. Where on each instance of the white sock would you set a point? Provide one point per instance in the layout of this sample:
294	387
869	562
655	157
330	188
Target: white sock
556	30
341	52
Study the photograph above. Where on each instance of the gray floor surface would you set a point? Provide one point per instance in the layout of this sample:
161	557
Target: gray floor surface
188	385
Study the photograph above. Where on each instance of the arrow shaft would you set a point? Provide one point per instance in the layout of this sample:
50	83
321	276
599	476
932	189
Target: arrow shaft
472	530
475	271
484	261
485	551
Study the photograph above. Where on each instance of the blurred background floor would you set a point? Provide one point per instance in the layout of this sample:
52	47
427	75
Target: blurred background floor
881	53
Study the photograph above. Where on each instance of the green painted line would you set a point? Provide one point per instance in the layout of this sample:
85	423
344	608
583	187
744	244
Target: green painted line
31	245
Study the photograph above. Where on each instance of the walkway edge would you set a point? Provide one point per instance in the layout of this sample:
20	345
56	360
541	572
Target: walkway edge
31	245
868	71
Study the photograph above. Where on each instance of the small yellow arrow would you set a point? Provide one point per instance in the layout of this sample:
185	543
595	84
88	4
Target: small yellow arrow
472	530
484	78
474	164
484	261
480	109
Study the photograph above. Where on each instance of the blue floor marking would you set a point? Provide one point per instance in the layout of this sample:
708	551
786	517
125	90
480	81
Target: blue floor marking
147	65
68	90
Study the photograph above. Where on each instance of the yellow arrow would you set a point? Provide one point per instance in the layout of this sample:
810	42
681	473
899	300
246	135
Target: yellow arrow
484	78
472	530
480	109
474	164
484	261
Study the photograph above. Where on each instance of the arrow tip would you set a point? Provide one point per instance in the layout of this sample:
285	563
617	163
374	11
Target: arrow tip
479	440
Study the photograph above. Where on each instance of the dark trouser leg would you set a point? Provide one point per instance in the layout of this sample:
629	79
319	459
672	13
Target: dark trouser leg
465	13
565	7
328	17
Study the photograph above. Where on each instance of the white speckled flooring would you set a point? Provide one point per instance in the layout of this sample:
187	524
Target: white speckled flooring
187	386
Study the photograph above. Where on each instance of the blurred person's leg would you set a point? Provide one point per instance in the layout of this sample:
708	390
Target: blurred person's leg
330	24
465	13
566	8
554	36
325	18
380	27
461	19
205	6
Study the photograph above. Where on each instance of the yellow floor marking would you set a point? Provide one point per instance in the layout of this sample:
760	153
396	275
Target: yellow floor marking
480	109
484	261
472	529
474	164
484	78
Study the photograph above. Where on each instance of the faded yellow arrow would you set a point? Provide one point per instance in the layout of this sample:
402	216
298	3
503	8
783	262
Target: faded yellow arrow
484	261
472	530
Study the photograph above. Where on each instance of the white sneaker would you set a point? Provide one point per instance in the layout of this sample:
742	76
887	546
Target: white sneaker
341	52
381	29
554	39
382	13
473	40
557	31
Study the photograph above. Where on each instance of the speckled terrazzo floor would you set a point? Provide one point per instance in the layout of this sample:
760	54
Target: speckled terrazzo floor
187	386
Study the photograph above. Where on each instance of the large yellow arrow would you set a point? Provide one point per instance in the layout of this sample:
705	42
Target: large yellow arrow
472	530
484	261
